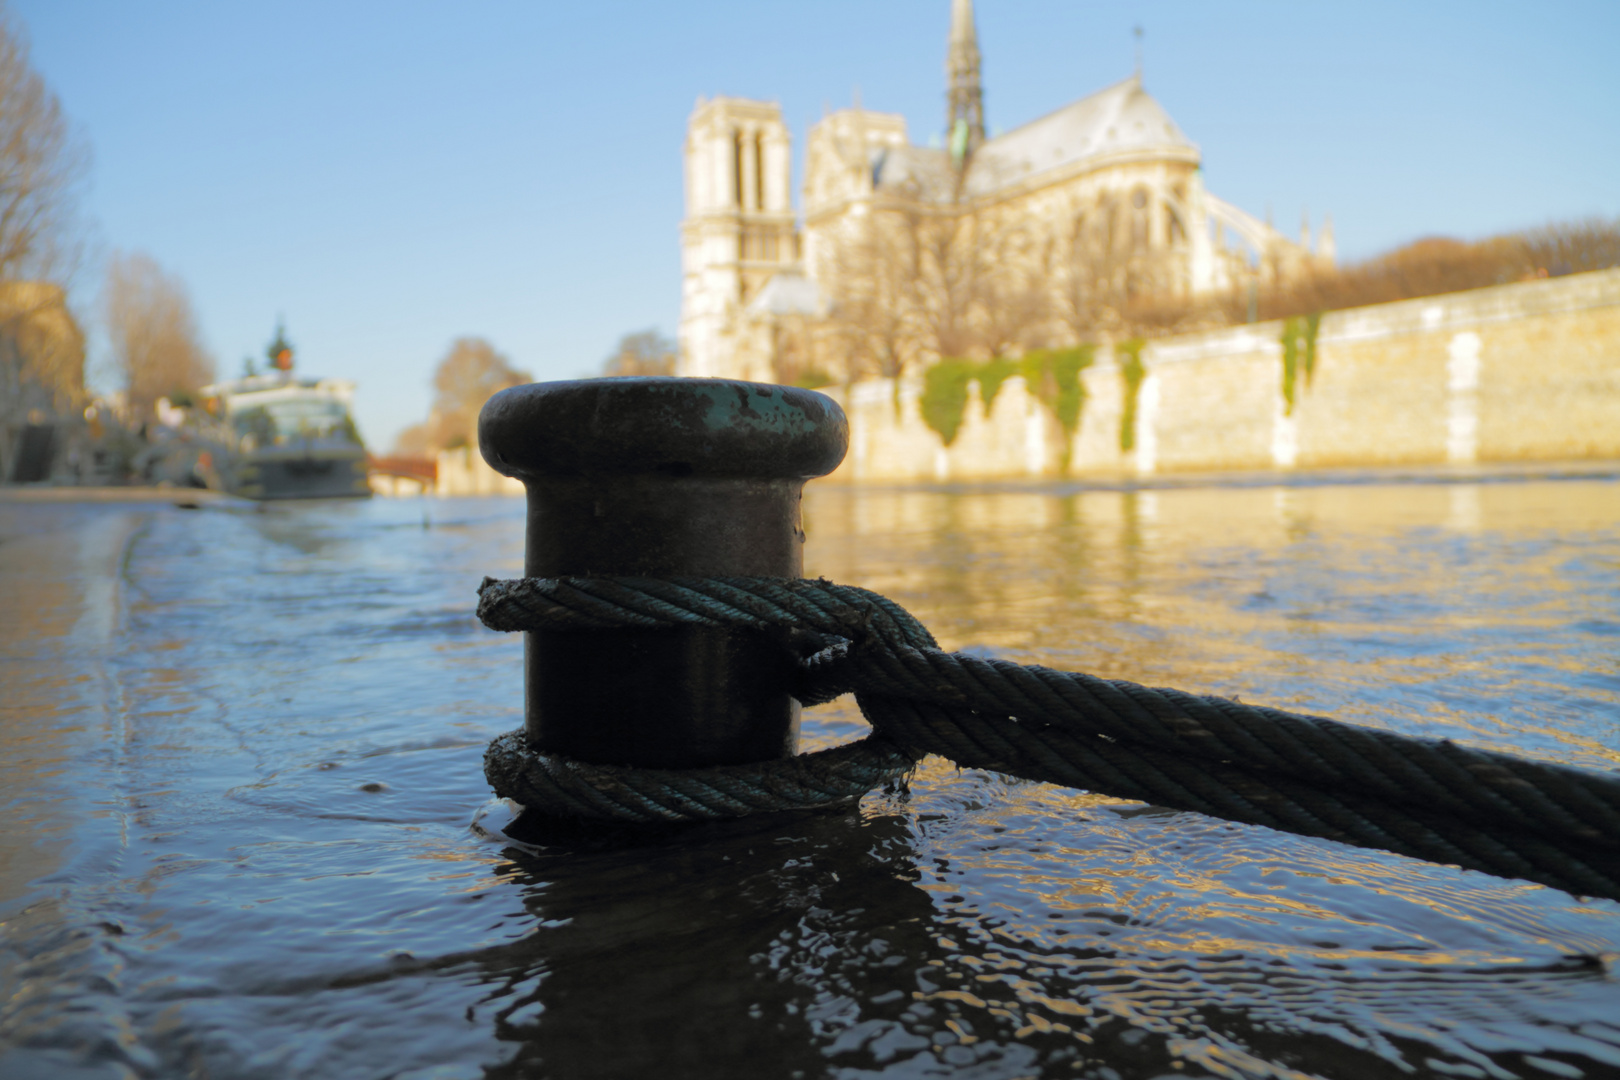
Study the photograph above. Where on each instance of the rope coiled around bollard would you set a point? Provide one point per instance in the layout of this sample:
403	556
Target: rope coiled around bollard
1430	799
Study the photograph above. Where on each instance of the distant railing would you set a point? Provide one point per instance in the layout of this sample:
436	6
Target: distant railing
401	475
411	468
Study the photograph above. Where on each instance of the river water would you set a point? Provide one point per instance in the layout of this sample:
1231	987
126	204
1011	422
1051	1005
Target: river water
247	835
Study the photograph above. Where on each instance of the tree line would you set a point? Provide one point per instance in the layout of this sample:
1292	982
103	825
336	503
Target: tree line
1436	265
156	350
922	280
473	370
919	285
918	282
41	167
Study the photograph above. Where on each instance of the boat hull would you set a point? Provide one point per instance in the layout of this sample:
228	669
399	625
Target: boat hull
317	475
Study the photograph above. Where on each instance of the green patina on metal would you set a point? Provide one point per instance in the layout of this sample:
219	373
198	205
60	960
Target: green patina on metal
763	409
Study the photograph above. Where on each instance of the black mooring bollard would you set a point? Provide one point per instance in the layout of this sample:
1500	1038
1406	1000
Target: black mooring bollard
662	477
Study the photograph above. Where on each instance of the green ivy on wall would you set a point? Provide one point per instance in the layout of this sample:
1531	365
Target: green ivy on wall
1290	357
1131	372
812	379
1313	322
945	395
1298	353
1051	375
991	374
1054	375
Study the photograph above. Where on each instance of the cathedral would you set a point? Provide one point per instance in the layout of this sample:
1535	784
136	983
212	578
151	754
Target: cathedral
1065	229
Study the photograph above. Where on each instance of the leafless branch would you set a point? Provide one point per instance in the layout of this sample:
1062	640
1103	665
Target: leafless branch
153	333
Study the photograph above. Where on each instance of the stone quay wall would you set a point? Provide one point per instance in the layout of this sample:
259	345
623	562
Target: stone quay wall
1516	373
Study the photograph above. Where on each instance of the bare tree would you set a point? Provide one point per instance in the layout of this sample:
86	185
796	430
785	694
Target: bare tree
872	300
469	375
153	333
414	441
1110	282
644	353
1015	302
41	164
1438	264
918	280
1571	247
928	273
1088	296
939	247
803	348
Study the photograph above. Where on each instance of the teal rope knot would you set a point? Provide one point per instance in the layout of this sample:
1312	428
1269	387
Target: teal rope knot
822	612
1429	799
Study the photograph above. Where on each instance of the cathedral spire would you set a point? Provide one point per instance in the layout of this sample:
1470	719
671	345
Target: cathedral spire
965	130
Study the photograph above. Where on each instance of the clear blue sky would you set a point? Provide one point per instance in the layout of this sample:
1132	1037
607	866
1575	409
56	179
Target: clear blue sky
391	175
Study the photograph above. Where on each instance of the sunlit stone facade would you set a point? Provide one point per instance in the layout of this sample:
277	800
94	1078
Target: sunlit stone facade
740	230
1104	191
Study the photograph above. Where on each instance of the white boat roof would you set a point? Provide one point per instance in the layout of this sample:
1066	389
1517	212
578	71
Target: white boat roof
267	388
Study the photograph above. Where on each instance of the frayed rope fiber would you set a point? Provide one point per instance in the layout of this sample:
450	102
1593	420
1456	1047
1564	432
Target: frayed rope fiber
1426	798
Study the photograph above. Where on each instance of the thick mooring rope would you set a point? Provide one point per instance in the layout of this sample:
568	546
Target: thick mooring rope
1430	799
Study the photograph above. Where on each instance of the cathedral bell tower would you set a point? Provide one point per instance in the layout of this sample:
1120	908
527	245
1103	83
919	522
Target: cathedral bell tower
964	130
739	229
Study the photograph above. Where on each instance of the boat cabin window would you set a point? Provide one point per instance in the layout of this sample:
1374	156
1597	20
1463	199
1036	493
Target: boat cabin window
281	422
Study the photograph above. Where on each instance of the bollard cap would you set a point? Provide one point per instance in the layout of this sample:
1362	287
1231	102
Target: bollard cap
662	426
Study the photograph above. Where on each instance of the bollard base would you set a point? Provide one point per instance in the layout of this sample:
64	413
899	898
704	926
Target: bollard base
668	698
552	786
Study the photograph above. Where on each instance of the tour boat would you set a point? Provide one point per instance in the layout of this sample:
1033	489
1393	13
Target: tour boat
277	436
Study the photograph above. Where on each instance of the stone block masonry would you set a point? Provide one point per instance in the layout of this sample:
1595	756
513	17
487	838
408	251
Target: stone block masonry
1517	373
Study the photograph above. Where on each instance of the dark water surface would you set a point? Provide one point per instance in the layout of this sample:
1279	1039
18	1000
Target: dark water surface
240	764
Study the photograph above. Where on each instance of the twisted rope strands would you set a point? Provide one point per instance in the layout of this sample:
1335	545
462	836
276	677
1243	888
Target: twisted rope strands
602	603
577	789
1493	787
1304	774
1051	755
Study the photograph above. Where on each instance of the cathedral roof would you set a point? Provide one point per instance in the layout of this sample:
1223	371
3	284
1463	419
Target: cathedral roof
1120	119
925	170
1123	118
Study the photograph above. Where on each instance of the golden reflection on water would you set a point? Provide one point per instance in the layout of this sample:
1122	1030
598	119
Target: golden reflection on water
59	588
293	705
1483	613
1453	611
